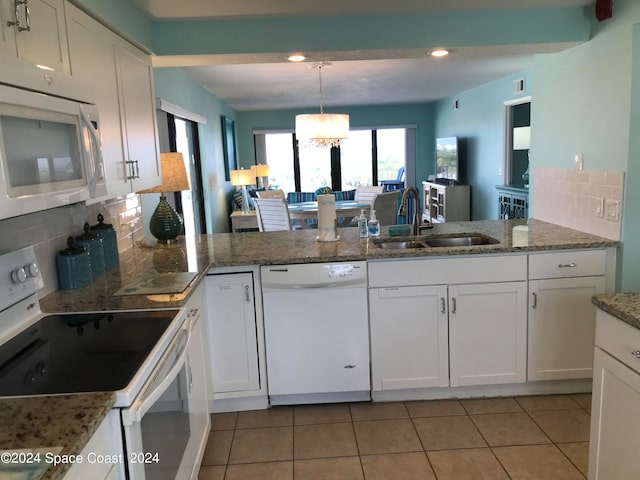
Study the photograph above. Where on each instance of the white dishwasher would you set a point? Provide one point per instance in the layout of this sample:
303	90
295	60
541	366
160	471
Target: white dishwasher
317	332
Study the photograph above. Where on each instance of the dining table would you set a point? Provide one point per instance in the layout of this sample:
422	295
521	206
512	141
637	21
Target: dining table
346	210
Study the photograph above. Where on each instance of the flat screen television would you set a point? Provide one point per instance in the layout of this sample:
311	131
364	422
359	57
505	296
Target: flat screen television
448	160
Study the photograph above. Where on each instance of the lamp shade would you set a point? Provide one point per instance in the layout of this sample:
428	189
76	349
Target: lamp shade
242	177
522	138
260	170
174	174
322	129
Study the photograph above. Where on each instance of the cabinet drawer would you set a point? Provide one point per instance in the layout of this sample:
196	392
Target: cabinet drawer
447	271
618	338
570	263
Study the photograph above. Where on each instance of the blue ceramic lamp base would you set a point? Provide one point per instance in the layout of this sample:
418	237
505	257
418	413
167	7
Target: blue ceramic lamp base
165	223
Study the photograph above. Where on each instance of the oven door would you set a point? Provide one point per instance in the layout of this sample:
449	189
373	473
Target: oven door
159	427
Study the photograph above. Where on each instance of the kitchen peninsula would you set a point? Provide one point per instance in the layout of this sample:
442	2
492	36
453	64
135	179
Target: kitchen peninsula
528	257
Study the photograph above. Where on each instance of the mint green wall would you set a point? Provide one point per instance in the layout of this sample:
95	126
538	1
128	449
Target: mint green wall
586	100
124	16
418	115
479	122
173	85
415	30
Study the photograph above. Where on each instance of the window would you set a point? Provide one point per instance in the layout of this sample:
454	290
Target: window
367	157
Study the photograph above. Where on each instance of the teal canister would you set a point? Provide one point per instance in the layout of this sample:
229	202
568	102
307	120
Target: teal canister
109	243
93	244
74	266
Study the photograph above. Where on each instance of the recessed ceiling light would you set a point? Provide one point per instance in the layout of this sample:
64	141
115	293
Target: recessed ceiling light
439	52
296	57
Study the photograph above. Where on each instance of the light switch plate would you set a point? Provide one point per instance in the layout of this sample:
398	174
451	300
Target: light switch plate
612	210
599	207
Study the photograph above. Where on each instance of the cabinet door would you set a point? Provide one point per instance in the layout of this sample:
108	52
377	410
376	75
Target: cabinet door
46	42
488	333
93	60
614	447
137	104
7	33
562	327
232	332
409	338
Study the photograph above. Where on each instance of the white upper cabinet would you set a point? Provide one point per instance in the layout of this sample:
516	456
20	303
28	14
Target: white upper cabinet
122	77
35	31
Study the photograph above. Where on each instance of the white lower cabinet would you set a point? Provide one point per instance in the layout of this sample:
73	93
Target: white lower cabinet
234	352
562	327
487	333
409	337
615	443
454	335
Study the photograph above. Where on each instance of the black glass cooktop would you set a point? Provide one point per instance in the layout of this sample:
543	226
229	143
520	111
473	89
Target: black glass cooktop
80	352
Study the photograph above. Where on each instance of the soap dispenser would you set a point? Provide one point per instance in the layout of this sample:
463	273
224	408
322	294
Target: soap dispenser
374	225
362	225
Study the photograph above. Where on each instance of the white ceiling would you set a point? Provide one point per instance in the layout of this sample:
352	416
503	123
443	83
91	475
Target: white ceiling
368	77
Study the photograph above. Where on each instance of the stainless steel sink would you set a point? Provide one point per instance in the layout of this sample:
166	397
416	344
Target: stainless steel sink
399	244
460	240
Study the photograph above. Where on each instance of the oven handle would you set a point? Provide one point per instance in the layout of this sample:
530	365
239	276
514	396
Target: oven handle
146	400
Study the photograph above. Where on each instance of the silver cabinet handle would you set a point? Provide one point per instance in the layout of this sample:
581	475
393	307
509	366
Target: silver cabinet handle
129	164
27	18
568	265
636	353
454	305
246	293
137	171
349	366
27	15
534	304
443	303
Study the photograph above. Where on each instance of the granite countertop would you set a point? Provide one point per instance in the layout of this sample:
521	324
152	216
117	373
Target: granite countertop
55	424
202	252
625	306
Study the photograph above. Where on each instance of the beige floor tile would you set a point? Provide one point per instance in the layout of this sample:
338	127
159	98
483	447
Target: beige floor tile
378	411
500	429
547	402
325	440
564	426
343	468
578	453
271	417
469	464
582	399
218	446
212	473
386	436
475	406
312	414
261	471
254	445
445	433
394	466
536	462
434	408
223	421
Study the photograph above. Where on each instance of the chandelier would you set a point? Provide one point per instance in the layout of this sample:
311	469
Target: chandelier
322	129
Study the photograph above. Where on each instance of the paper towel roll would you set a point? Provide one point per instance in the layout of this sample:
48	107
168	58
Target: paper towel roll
521	236
327	218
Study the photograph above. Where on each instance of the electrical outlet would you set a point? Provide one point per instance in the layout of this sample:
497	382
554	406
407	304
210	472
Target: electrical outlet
612	210
599	207
578	161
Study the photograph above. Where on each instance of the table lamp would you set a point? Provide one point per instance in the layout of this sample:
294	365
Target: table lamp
165	223
260	171
242	178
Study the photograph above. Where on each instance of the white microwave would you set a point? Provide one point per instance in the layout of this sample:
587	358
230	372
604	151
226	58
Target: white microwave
50	152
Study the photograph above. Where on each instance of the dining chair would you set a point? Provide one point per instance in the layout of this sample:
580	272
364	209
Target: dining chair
272	214
386	206
365	193
271	194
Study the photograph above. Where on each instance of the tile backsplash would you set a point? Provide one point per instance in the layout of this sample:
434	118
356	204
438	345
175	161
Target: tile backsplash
48	230
569	198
